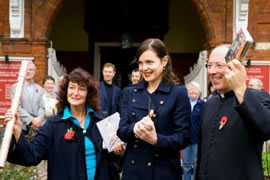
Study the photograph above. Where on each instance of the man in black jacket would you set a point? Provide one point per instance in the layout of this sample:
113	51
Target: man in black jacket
234	124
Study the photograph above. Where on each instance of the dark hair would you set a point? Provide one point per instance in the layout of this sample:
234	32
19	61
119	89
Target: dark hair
83	78
48	78
161	51
135	70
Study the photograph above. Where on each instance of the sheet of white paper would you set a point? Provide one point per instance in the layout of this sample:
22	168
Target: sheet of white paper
107	128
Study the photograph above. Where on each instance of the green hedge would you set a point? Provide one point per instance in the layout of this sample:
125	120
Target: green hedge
266	163
16	172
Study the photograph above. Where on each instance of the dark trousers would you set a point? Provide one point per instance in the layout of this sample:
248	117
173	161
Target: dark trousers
114	165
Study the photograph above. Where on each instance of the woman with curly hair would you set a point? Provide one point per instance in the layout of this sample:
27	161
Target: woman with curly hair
69	141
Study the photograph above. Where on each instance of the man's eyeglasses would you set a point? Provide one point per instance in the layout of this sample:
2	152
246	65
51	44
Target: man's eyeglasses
216	66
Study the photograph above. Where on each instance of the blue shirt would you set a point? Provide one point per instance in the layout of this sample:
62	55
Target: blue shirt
90	154
30	88
193	102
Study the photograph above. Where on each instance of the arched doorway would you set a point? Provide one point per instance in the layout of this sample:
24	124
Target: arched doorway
184	37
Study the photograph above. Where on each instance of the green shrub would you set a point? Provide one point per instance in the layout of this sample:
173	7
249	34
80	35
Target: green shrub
266	163
16	172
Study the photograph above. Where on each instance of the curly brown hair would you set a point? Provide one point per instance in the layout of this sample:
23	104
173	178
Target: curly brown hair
83	78
161	51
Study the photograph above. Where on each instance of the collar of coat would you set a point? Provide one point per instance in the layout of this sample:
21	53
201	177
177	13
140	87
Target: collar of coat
163	87
225	95
96	116
199	100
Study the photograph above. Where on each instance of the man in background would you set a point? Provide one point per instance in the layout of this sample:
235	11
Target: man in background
109	104
109	93
255	83
135	76
31	107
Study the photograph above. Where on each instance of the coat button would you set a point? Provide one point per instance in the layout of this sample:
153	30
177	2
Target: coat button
135	90
156	155
136	140
134	100
149	164
132	162
133	113
135	146
161	102
136	136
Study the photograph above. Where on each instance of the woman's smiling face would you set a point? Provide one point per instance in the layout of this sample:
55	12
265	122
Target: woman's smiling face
151	66
76	94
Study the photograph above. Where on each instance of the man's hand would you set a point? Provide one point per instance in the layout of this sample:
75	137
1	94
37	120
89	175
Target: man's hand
36	123
236	78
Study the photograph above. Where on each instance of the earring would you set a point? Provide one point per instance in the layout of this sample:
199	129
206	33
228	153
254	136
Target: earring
164	67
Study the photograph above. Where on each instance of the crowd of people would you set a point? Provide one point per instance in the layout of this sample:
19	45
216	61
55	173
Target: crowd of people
219	136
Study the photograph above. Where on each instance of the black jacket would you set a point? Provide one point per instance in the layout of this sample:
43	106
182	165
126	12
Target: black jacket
66	159
234	151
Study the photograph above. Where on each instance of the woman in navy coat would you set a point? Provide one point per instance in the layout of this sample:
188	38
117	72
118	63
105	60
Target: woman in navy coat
155	118
69	141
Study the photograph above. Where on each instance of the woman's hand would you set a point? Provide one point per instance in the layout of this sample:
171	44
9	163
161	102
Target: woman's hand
118	148
17	128
145	129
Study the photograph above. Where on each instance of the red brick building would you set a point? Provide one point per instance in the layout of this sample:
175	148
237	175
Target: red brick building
214	22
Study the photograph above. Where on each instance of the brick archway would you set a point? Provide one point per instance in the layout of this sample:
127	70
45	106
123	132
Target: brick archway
216	18
205	20
44	15
210	12
209	18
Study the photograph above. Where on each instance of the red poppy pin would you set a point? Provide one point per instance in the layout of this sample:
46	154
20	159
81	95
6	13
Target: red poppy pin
70	134
222	122
36	90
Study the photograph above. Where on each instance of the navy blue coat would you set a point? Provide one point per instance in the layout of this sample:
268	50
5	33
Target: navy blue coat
172	122
195	120
116	94
66	159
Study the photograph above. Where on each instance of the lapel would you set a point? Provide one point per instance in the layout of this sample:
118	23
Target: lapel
140	97
103	91
161	99
113	96
95	136
198	103
143	99
93	131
